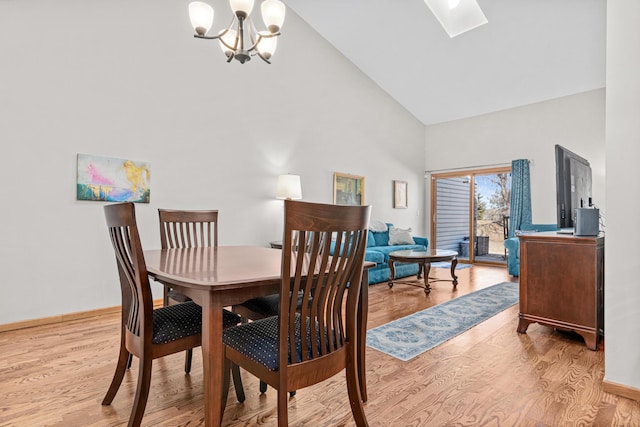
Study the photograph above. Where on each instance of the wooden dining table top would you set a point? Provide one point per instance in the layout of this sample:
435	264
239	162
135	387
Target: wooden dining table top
223	267
223	276
215	277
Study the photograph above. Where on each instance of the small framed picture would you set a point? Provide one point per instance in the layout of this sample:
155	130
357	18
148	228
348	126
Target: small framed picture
400	195
109	179
348	189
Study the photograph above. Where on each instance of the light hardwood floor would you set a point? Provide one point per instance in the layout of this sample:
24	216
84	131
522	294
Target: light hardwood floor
488	376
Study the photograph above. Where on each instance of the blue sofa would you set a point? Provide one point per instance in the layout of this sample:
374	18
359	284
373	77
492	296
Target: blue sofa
513	246
378	251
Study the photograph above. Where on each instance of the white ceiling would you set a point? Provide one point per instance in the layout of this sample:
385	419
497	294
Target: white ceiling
529	51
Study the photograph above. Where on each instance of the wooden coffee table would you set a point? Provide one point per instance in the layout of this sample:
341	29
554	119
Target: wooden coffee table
424	260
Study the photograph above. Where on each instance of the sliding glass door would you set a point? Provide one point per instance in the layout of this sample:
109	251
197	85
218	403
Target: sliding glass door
470	213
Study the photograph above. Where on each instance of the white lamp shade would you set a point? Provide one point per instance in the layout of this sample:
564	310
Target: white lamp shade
289	187
273	12
243	6
201	16
457	16
230	39
267	46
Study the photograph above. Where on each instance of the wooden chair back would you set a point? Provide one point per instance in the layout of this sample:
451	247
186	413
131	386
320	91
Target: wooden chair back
322	259
137	300
323	254
179	327
188	229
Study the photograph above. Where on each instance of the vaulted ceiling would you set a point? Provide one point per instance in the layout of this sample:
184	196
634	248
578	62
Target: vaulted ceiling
529	51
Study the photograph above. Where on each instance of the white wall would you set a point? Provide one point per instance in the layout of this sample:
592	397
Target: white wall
529	132
127	79
622	254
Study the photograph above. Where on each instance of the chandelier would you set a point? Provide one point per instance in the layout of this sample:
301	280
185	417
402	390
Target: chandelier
241	39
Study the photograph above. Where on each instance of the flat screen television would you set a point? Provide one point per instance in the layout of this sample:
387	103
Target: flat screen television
573	185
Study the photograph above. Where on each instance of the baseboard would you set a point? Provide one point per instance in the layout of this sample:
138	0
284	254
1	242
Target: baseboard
64	317
621	390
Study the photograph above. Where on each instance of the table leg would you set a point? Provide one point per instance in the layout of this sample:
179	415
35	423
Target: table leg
392	275
454	262
427	270
212	360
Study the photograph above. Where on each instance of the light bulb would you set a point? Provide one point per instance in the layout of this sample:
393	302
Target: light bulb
201	16
267	46
242	8
273	12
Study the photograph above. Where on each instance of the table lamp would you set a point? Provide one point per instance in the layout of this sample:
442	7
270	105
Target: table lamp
289	187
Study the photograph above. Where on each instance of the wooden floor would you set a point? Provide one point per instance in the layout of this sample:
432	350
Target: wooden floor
488	376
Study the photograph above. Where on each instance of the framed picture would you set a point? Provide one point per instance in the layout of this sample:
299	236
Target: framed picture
109	179
400	194
348	189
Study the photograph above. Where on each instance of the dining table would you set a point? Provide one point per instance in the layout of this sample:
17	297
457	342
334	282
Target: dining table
217	277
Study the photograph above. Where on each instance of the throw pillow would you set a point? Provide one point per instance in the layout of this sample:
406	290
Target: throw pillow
377	226
400	236
371	241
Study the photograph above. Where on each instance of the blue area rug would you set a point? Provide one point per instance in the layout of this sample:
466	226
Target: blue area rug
443	264
412	335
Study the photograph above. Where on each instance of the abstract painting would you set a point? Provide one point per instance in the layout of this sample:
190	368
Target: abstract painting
109	179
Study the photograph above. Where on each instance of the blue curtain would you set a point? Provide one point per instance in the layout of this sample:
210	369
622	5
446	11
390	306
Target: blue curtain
520	204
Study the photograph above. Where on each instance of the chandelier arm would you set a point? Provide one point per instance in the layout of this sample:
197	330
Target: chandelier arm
261	36
262	57
240	34
254	42
198	36
253	31
235	44
222	33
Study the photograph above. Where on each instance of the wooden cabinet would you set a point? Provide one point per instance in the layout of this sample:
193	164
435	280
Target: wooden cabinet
562	283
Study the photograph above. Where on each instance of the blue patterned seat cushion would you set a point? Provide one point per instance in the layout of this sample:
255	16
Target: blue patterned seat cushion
259	340
183	320
269	305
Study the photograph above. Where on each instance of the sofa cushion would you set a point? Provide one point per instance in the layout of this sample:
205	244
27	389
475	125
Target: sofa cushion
381	238
384	250
400	236
382	272
378	226
374	256
371	241
421	241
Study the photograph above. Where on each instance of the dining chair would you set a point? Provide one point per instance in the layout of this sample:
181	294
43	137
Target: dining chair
322	256
261	308
146	333
186	229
